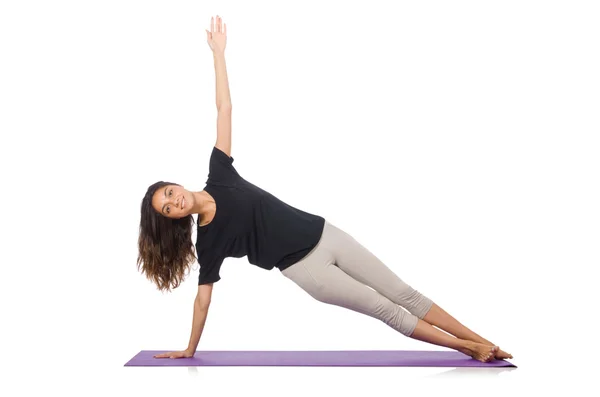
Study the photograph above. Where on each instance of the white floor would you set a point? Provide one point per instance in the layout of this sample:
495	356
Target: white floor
297	381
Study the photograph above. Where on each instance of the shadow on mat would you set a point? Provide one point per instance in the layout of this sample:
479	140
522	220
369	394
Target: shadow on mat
470	372
453	373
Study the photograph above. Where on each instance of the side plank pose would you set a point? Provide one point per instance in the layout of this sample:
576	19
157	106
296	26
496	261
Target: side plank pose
237	218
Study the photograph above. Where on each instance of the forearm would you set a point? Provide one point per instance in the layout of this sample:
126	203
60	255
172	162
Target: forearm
200	313
222	82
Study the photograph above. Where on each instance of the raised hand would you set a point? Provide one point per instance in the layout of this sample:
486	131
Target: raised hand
217	37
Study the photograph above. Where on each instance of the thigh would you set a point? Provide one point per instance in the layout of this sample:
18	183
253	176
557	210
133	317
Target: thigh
362	265
327	283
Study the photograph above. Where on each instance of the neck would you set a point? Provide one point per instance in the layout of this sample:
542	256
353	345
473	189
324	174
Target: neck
202	203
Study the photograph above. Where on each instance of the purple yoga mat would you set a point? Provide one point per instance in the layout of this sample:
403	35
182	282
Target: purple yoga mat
350	358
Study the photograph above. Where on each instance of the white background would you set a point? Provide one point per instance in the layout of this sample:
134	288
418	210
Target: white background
458	141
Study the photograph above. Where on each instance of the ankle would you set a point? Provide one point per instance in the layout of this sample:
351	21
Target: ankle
468	345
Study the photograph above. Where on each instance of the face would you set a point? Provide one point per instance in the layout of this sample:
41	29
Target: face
172	201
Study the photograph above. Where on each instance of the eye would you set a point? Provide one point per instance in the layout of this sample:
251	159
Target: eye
170	191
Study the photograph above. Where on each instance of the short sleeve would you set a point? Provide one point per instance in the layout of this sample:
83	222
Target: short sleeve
209	270
220	169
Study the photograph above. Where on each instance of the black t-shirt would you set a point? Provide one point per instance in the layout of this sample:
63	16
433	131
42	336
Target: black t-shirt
250	222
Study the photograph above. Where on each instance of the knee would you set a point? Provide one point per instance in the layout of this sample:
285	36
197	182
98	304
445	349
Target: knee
394	316
402	321
407	294
415	302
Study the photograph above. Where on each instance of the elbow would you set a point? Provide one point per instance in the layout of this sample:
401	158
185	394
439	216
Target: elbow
202	304
224	107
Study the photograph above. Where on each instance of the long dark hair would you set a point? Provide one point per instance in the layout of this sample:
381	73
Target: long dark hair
165	244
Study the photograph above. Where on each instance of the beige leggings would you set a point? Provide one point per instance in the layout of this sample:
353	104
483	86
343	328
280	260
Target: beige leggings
339	271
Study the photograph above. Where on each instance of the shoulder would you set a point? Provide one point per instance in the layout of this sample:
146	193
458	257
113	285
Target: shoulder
221	169
219	153
222	149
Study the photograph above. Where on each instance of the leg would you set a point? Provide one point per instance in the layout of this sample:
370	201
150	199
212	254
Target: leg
364	266
328	284
324	281
441	319
427	333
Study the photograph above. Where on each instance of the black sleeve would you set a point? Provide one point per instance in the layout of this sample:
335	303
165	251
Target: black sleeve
220	169
209	270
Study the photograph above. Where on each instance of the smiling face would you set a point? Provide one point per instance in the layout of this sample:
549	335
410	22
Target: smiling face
172	201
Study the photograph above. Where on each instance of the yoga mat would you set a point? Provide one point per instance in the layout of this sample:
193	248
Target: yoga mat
350	358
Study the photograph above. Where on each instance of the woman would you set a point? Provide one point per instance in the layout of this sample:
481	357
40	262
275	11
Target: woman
237	218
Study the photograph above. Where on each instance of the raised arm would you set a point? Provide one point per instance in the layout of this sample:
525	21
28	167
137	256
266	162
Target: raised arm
217	40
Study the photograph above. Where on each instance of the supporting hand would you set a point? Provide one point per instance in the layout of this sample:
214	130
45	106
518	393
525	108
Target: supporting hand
178	354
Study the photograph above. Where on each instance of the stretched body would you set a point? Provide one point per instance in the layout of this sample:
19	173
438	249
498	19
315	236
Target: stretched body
322	259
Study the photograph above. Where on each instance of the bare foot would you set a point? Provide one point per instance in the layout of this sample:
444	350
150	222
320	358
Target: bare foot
481	352
501	354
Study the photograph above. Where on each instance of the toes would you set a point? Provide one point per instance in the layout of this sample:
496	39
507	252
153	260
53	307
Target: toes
501	354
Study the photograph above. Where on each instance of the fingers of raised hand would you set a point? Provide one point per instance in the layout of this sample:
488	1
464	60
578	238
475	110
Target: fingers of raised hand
217	25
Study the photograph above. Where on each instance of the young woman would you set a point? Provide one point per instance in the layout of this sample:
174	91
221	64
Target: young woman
237	218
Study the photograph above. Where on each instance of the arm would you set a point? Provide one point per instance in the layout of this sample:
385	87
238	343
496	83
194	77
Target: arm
201	305
223	105
217	40
223	99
